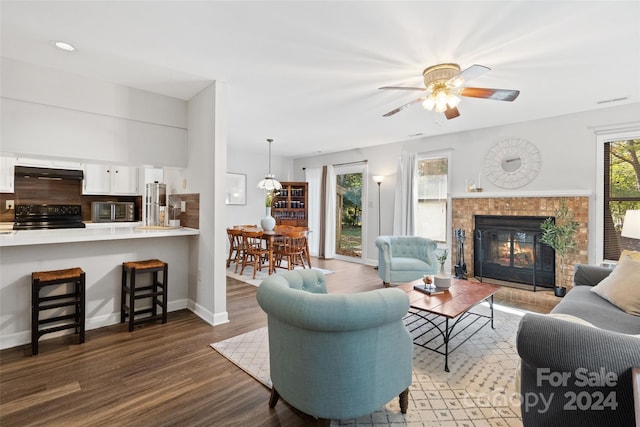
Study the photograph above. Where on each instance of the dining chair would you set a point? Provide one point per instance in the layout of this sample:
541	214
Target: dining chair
254	250
292	249
235	246
305	253
234	233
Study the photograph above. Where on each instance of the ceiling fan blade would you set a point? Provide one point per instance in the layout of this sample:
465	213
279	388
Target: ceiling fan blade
402	107
495	94
470	73
451	113
401	88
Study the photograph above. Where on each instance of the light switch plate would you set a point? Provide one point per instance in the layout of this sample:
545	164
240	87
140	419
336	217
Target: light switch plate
10	204
183	206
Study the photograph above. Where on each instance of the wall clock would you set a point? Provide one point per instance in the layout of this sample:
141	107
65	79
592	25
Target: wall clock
512	163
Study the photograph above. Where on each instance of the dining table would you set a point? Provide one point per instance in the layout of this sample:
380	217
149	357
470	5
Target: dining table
269	236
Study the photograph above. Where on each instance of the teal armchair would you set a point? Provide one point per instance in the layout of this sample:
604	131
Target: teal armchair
405	258
335	356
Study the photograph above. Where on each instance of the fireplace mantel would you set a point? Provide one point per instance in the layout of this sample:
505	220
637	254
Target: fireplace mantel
537	194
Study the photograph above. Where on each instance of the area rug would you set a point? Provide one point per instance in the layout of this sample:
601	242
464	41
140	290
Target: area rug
247	276
479	390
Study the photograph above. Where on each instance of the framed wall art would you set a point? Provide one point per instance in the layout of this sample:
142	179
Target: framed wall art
236	189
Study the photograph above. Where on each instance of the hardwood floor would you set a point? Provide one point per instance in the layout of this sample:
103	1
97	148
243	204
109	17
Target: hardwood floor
158	374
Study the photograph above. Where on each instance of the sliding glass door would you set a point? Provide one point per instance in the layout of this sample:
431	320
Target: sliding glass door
350	187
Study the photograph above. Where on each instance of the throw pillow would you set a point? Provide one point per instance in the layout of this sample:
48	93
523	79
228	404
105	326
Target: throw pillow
633	254
622	287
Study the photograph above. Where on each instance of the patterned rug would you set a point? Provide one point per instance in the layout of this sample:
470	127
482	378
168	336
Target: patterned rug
478	391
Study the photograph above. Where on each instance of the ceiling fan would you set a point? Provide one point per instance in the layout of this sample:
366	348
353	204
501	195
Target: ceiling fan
445	84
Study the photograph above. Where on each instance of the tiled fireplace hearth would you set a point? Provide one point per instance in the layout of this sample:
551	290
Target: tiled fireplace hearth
465	210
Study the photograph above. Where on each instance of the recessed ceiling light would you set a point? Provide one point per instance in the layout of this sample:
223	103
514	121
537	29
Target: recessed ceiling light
65	46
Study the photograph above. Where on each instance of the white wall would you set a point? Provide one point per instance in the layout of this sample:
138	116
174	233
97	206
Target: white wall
205	174
48	113
567	145
255	166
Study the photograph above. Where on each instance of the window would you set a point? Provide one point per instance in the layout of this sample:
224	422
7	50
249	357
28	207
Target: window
621	192
432	185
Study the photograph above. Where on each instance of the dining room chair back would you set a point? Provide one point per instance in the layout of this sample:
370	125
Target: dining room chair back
234	233
292	249
254	250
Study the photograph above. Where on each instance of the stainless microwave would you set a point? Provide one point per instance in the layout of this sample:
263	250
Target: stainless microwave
113	211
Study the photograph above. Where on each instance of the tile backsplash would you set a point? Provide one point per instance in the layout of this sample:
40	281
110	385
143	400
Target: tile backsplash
70	192
190	218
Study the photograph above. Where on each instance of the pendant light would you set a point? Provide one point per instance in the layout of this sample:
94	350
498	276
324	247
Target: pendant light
269	183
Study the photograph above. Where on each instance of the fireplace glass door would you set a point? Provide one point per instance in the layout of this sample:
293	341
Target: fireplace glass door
511	251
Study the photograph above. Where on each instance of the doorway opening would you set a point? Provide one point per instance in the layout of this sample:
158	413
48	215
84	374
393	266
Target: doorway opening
349	213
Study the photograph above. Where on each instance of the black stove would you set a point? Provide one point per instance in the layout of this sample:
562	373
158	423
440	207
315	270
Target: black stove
43	217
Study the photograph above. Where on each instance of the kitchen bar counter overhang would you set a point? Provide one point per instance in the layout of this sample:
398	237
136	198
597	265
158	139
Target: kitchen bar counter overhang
100	252
89	234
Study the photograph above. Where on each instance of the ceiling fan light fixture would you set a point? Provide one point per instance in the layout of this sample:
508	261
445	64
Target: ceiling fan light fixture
429	103
441	98
440	73
452	100
455	82
445	84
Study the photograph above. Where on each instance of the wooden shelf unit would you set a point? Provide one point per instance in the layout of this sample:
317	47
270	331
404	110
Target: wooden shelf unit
290	206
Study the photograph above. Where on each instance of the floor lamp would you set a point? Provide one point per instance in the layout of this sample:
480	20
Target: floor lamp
378	180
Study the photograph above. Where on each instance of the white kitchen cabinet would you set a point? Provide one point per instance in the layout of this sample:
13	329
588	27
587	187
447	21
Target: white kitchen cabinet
39	163
124	180
48	163
110	179
7	174
152	175
60	164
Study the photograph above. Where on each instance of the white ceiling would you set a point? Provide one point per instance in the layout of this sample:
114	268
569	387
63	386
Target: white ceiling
307	73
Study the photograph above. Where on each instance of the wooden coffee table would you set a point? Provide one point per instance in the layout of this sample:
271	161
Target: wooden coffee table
454	304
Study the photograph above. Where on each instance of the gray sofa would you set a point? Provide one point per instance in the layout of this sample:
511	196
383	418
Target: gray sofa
574	374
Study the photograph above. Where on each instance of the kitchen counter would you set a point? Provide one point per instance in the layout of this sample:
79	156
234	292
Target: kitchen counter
93	232
100	250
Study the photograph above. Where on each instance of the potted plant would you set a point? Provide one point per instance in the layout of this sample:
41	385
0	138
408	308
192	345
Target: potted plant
560	235
442	258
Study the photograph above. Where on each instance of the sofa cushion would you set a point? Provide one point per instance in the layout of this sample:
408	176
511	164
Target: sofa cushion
622	286
591	307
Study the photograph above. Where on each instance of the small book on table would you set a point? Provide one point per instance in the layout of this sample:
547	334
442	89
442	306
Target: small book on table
430	291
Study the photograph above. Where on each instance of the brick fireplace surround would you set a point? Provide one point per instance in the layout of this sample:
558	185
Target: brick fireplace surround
465	208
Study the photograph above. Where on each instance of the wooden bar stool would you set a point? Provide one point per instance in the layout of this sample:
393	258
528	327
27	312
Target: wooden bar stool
71	298
157	291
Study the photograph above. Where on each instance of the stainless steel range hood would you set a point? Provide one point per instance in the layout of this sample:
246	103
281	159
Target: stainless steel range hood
48	173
